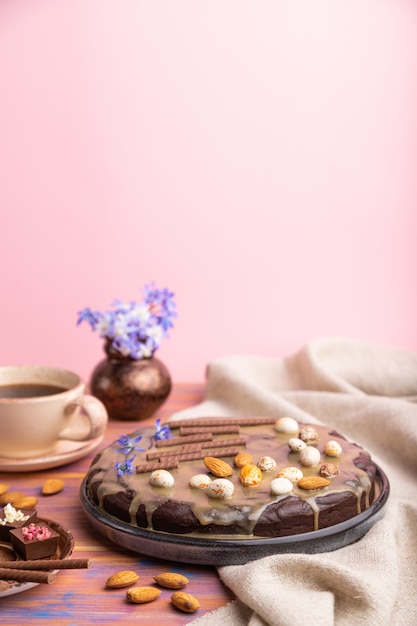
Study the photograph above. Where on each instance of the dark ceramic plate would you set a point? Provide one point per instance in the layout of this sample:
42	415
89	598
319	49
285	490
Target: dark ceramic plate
200	551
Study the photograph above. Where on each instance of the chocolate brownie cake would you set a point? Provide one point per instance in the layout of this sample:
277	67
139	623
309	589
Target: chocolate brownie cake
232	478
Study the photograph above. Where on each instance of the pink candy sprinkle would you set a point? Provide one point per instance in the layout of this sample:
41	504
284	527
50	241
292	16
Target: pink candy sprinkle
33	531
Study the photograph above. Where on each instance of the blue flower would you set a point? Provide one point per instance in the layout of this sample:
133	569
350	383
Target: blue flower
125	467
90	316
135	330
129	445
162	432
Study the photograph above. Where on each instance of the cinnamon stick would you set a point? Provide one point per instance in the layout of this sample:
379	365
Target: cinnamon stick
26	576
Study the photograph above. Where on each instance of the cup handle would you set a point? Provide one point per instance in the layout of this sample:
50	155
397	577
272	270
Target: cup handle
95	412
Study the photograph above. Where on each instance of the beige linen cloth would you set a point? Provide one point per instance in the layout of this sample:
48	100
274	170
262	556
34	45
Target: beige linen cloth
368	393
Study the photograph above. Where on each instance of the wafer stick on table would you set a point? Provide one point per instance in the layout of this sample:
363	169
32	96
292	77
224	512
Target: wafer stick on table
47	564
27	576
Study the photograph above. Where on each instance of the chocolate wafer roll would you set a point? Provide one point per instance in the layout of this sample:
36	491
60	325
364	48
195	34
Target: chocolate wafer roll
223	421
47	564
195	456
163	454
175	441
219	443
215	430
27	576
167	464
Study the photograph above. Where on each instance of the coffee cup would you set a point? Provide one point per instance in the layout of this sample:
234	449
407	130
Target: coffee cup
41	405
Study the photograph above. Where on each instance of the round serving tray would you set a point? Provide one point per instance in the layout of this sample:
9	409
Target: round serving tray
217	552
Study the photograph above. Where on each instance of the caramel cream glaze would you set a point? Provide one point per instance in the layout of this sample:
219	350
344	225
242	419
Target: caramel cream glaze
224	438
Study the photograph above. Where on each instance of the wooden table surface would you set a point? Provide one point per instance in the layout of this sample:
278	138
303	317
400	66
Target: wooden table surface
80	596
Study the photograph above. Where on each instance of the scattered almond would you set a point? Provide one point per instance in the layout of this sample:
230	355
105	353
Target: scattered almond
3	488
141	595
10	497
52	486
185	602
313	482
218	467
242	458
122	579
25	502
171	580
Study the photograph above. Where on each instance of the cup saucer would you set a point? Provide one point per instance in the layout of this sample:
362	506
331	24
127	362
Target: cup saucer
64	451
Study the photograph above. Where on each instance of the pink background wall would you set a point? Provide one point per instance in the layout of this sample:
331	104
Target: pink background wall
258	158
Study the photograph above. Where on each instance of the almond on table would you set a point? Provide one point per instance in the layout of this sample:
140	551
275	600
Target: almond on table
3	488
141	595
11	497
124	578
25	502
185	602
171	580
52	486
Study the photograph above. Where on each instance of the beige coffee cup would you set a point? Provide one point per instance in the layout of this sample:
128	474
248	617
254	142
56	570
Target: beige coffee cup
41	405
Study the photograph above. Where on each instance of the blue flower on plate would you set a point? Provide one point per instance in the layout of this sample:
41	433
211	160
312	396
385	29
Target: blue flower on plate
125	467
162	432
129	444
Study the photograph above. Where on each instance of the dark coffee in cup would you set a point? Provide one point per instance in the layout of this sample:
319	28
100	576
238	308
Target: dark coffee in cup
29	390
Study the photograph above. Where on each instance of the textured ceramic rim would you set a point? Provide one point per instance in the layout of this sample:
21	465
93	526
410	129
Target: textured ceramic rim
66	551
217	552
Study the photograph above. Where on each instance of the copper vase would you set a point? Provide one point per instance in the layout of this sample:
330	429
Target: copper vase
130	389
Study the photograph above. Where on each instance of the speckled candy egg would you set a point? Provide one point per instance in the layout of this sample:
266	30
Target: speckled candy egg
267	464
332	448
281	486
295	444
220	488
309	456
309	434
200	481
286	425
294	474
161	478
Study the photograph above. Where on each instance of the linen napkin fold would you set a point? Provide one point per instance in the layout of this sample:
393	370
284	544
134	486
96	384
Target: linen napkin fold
367	392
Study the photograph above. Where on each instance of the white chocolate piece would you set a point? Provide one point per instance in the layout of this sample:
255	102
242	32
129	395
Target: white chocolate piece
200	481
309	457
294	474
12	515
161	478
286	425
221	488
309	434
267	464
281	486
296	444
332	448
